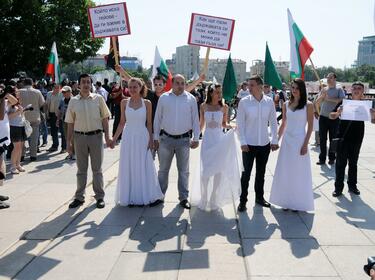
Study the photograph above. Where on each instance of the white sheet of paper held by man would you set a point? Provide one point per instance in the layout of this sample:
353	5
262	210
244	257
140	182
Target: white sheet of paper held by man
356	110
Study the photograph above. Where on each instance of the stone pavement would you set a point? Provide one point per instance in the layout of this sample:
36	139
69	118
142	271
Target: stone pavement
40	238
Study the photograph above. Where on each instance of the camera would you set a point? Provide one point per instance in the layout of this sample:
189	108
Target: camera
370	265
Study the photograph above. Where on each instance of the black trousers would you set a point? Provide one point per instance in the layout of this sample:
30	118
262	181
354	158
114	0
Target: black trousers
329	126
117	111
347	153
260	154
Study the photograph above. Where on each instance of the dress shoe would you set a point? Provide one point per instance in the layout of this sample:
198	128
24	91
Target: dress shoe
263	203
52	149
241	207
76	203
100	203
4	205
156	202
331	162
320	163
336	194
355	191
3	197
32	158
185	204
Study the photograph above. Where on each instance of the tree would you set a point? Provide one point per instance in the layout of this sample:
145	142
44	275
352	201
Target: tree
28	29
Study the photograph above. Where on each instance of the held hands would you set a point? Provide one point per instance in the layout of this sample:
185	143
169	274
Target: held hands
108	141
245	148
156	144
150	144
303	150
274	147
194	144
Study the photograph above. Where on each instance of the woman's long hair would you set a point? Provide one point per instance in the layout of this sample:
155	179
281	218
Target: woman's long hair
210	90
302	94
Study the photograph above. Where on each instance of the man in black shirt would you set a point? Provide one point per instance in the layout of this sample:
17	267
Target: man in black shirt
351	133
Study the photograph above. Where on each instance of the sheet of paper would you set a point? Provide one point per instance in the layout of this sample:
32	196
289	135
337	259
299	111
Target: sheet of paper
356	110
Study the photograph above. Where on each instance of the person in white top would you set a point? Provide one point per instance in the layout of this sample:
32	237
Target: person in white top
255	112
267	91
176	118
101	91
244	91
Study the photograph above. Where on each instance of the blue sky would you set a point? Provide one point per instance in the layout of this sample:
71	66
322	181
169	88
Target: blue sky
333	27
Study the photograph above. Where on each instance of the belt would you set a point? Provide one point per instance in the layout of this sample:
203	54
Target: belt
89	132
184	135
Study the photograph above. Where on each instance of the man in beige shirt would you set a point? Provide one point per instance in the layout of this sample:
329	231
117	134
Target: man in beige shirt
29	95
52	107
87	117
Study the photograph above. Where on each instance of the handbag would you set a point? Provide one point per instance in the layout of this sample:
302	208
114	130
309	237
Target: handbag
336	141
28	128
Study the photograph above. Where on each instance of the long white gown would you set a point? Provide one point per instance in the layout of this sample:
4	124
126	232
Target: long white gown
292	182
216	181
137	182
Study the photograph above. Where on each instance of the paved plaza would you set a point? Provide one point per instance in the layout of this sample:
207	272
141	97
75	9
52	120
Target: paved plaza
40	238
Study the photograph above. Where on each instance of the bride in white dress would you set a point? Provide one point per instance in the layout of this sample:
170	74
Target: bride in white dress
292	181
216	181
137	182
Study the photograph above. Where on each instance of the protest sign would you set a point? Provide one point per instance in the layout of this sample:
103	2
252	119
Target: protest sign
356	110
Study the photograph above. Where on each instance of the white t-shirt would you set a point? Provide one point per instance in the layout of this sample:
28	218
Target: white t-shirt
101	91
243	93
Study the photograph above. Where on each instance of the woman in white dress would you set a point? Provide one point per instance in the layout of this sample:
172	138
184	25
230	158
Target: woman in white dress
137	182
292	181
217	178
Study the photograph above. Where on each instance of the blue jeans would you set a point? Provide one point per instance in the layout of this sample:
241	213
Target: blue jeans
169	147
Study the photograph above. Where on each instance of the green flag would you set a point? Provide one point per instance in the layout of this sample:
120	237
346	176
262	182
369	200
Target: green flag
271	77
229	83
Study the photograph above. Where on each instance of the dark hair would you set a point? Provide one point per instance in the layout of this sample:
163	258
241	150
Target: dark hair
84	75
159	77
106	80
99	83
358	83
302	94
258	79
210	90
141	83
333	74
10	90
28	82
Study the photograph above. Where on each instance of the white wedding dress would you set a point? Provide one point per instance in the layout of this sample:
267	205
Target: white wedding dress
292	181
216	181
137	182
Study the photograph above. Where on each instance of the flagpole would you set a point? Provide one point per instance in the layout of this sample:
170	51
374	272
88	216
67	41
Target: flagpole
115	51
315	72
205	67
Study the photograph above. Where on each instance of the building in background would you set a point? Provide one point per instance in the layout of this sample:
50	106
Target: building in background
366	51
217	67
186	61
131	63
282	67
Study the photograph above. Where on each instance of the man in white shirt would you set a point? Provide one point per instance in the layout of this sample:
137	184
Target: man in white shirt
176	118
254	114
244	91
101	91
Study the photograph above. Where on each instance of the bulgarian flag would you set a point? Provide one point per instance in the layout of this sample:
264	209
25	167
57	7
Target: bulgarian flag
300	49
160	68
53	67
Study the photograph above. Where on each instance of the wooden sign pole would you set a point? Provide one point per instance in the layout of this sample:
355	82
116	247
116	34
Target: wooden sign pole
205	67
115	51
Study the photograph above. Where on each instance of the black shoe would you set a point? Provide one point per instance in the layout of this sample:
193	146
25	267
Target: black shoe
52	149
3	197
263	202
38	151
320	163
355	191
241	207
22	159
185	204
43	145
331	162
4	205
76	203
32	158
100	203
156	202
336	194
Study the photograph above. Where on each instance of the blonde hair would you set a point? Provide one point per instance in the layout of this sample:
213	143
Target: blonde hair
140	82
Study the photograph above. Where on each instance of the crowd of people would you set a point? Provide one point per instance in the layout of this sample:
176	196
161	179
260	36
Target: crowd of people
150	123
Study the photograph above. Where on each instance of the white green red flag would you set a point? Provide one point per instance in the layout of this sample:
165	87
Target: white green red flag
300	49
161	68
53	67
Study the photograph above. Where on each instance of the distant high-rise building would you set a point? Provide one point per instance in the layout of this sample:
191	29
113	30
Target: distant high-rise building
366	51
217	67
187	61
282	67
